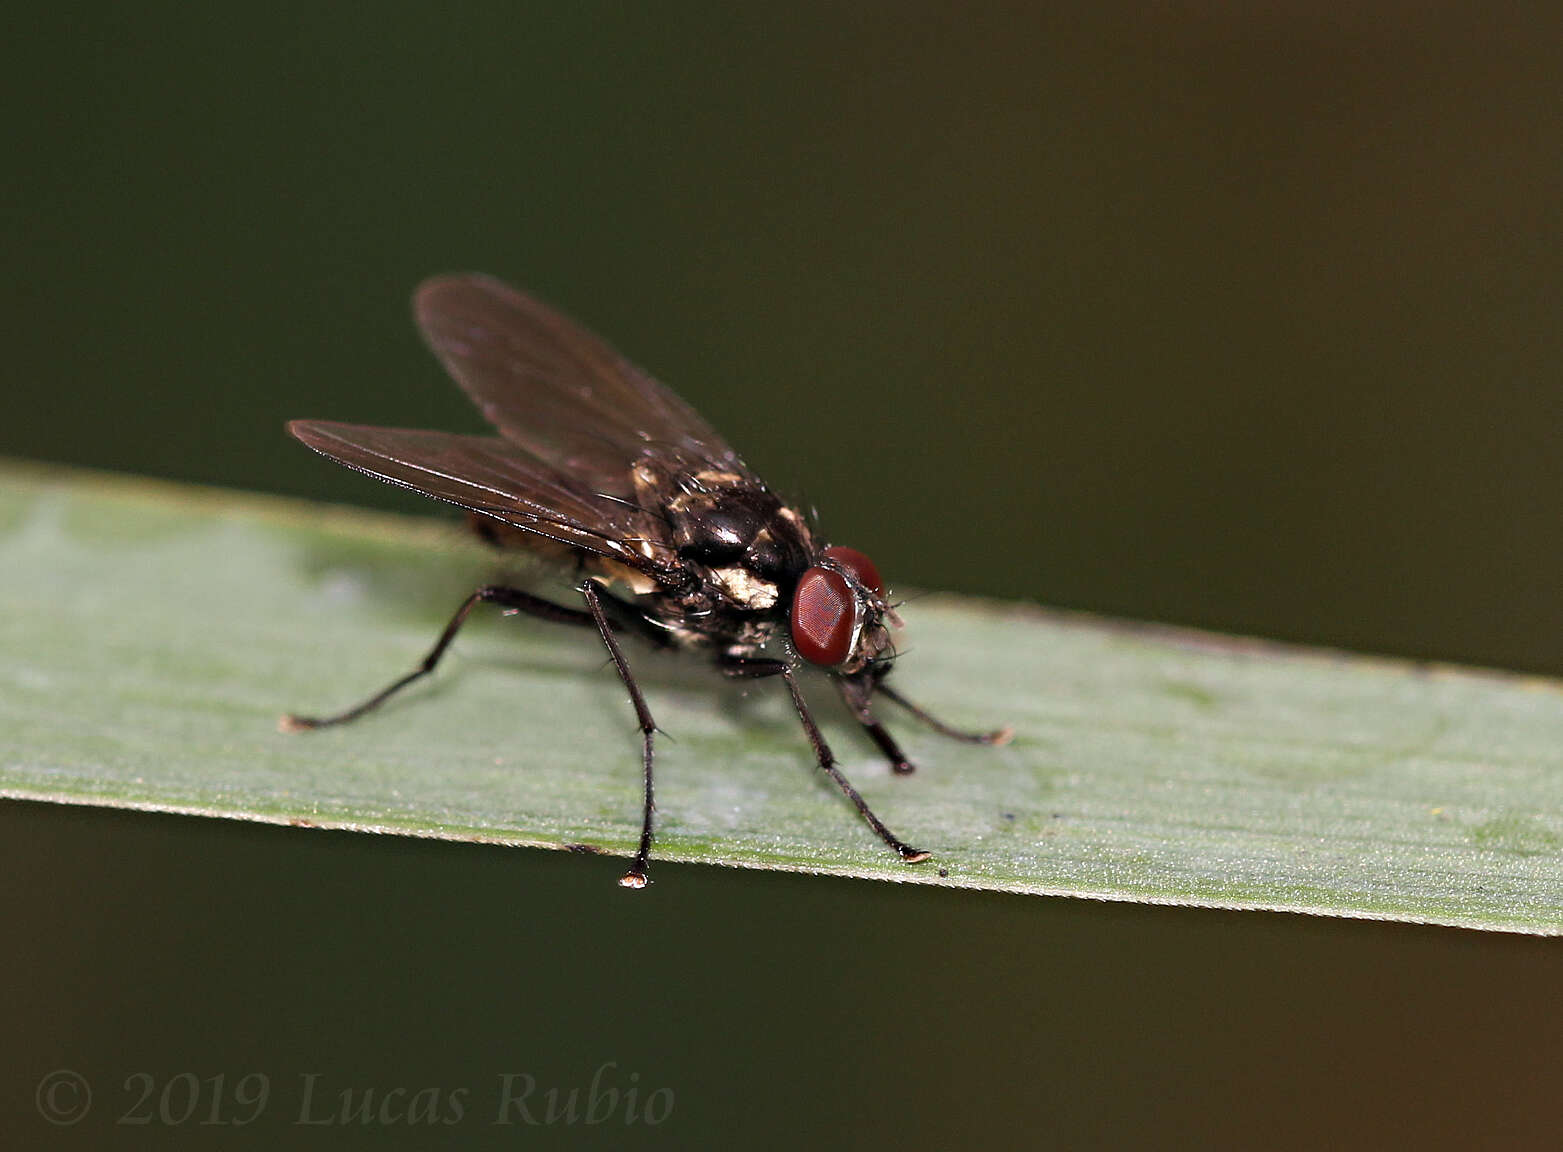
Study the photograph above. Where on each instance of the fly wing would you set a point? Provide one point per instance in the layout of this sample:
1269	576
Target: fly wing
556	390
496	478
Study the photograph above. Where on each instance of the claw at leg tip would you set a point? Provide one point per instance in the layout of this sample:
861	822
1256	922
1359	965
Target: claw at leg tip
1002	736
632	880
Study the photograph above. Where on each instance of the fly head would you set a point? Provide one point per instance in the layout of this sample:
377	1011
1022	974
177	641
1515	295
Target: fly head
839	612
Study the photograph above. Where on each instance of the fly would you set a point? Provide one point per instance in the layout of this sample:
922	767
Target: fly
675	540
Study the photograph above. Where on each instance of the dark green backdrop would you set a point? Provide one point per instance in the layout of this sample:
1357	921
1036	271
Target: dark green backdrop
1241	320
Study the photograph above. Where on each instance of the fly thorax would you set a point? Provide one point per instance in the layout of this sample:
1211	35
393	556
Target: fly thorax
716	516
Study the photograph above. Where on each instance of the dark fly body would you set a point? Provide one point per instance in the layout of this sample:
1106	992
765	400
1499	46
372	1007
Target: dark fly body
677	541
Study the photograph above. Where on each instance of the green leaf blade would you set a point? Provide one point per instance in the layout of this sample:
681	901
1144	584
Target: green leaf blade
153	634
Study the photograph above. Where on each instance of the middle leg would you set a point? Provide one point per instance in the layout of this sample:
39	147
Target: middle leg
590	591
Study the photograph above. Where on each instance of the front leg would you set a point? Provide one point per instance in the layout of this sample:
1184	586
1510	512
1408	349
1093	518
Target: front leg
997	736
827	761
856	692
742	667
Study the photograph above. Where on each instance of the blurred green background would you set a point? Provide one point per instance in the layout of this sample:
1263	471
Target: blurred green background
1240	319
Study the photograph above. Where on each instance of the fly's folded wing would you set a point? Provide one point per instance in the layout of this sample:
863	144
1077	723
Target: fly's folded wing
554	389
494	477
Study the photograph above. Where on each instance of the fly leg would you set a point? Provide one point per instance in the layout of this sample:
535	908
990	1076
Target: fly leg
997	736
855	693
750	668
510	599
636	876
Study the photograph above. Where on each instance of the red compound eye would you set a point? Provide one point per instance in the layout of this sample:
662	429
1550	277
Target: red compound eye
824	617
859	565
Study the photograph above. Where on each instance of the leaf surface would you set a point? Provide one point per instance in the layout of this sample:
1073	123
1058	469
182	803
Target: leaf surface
153	634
